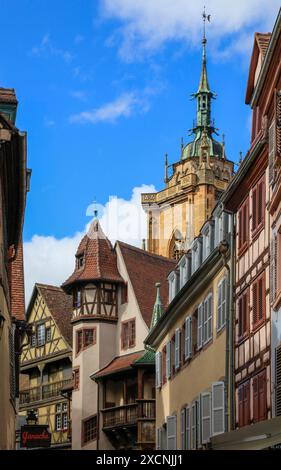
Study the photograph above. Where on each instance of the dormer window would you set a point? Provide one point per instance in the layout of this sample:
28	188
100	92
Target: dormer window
183	272
80	261
173	285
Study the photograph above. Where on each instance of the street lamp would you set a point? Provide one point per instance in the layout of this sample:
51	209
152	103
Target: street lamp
31	417
2	321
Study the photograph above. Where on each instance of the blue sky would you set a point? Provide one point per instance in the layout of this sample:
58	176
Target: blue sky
104	91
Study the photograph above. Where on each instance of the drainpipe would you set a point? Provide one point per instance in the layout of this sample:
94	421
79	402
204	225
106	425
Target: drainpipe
223	248
229	349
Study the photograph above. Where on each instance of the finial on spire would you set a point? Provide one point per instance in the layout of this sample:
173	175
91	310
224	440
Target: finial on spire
208	18
143	244
95	210
240	157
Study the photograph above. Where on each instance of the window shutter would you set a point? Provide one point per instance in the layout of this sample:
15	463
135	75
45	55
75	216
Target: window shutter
241	406
246	404
187	428
224	300
273	268
205	321
262	395
260	301
168	360
210	317
158	361
171	433
198	421
200	326
206	417
271	150
188	338
159	439
254	209
194	426
255	303
278	381
219	321
217	408
278	122
261	202
183	429
177	348
255	399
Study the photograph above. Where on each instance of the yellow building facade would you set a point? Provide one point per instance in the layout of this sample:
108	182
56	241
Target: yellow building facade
191	340
46	363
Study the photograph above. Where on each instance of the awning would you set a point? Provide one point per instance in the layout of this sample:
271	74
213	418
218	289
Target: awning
253	437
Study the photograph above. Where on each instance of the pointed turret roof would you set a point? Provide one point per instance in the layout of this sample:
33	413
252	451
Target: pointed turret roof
158	307
98	258
204	86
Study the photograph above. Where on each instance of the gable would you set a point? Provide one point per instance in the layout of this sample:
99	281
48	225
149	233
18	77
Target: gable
40	314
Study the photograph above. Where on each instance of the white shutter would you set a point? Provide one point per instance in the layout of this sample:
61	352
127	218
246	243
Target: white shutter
219	312
183	429
217	231
217	408
200	326
210	317
193	426
159	439
224	301
187	428
158	363
171	433
206	417
198	420
188	338
205	321
271	150
177	348
168	360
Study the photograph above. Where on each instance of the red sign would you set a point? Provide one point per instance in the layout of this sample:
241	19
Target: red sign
35	436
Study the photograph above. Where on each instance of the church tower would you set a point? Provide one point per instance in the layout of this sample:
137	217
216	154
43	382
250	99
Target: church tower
194	183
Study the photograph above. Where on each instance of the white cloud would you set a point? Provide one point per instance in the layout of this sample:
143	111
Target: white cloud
124	106
50	260
79	95
147	25
47	48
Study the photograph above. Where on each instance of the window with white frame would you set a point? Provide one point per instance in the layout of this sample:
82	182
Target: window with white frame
222	303
61	417
173	278
41	334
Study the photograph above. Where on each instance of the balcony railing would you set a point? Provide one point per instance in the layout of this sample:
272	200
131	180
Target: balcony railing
45	392
129	414
146	409
120	415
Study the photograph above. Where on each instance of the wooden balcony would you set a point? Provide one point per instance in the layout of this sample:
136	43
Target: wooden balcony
120	416
146	409
44	392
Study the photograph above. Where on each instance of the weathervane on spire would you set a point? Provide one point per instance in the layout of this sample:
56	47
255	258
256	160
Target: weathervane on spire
208	18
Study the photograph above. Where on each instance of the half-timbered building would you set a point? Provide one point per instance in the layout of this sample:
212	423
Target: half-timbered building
14	182
46	362
113	397
251	196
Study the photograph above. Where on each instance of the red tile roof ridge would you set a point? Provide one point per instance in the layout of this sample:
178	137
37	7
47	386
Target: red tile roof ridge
145	252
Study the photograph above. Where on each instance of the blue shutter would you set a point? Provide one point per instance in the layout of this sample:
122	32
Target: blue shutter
217	408
168	360
200	327
171	433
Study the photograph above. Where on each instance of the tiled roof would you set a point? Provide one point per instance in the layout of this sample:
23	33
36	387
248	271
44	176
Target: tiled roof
263	42
147	358
119	364
8	95
144	270
100	261
60	305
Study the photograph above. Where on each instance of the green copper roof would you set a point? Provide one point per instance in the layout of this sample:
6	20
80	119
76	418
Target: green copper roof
203	127
147	358
158	308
